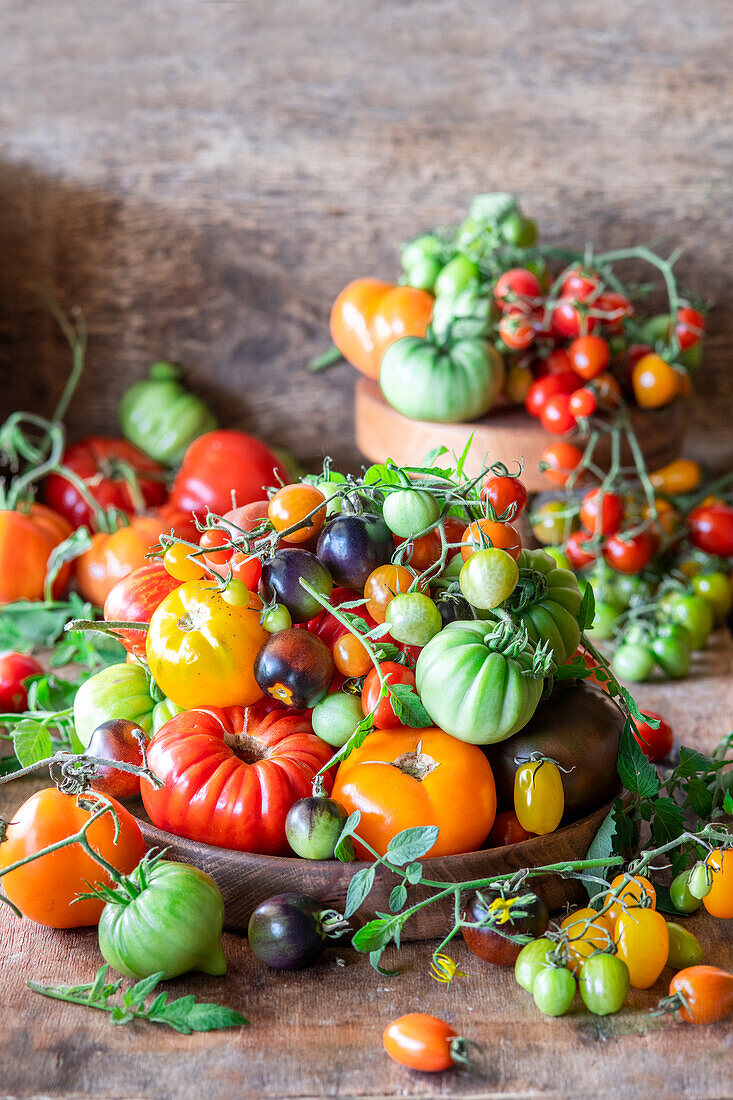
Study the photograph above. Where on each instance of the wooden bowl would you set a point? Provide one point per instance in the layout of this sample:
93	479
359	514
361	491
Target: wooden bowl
506	434
246	879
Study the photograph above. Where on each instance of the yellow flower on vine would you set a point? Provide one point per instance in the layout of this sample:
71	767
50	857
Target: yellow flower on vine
444	969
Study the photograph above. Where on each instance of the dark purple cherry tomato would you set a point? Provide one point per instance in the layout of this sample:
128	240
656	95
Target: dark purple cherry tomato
353	546
287	931
280	582
295	667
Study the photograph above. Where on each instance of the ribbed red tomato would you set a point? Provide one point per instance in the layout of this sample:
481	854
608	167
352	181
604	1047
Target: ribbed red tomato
230	777
135	598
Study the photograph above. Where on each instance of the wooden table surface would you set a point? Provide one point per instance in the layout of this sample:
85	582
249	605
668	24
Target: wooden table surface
318	1033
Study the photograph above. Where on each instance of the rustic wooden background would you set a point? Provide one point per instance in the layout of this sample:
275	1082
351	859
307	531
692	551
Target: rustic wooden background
202	178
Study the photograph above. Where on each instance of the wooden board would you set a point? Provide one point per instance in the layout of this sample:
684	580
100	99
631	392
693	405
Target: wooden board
318	1033
203	178
504	435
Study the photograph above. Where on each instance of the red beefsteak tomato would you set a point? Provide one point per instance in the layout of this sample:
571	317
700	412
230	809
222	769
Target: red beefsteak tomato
221	463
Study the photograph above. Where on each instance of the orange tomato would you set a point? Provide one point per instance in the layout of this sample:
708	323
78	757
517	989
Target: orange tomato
584	939
654	382
369	315
291	505
719	901
112	557
382	585
26	542
629	896
561	459
397	788
503	536
420	1042
45	889
681	476
642	942
705	994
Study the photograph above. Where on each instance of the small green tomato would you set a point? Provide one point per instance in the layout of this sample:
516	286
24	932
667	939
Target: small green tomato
701	881
604	984
553	990
530	960
488	578
684	948
236	593
682	899
336	717
277	619
410	511
413	619
313	826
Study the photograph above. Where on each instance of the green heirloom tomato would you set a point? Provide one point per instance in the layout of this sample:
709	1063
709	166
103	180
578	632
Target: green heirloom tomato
476	683
693	612
425	380
466	314
161	417
546	601
684	948
336	717
413	619
118	691
604	984
488	578
173	924
633	661
410	511
559	556
530	960
716	589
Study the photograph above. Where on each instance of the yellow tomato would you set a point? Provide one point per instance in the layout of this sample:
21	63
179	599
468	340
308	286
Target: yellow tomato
642	942
719	900
201	649
681	476
629	896
654	382
587	932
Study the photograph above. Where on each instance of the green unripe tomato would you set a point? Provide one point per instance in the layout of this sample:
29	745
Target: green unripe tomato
410	511
633	662
554	990
626	586
672	656
604	621
425	247
684	948
559	557
329	489
336	717
682	899
456	275
173	924
453	568
604	984
413	619
530	960
236	593
701	881
277	619
716	589
488	578
313	826
518	230
161	417
422	273
693	612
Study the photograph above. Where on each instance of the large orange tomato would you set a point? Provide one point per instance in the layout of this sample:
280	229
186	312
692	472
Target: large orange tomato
45	889
447	783
26	541
369	315
112	556
201	649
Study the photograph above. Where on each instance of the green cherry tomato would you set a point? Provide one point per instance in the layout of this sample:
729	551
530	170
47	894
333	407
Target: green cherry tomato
413	619
456	275
605	620
236	593
553	990
539	796
716	589
673	657
701	881
627	586
684	948
604	984
329	489
488	577
277	619
682	899
519	231
633	662
559	557
551	522
336	717
693	612
409	512
313	826
530	960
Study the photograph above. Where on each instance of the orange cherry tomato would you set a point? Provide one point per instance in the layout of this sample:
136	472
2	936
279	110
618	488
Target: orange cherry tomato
112	557
382	585
630	896
181	566
369	315
384	715
681	476
502	536
293	504
425	550
642	942
26	542
45	889
589	356
561	459
654	382
719	901
587	932
421	1042
396	787
350	656
704	993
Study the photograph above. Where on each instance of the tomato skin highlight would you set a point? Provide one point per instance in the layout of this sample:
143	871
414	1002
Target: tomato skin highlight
420	1042
45	890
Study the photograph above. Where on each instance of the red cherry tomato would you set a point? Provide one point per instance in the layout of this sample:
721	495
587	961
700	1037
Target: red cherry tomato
516	329
614	307
601	512
544	388
384	716
506	830
589	355
580	284
570	320
654	743
630	555
517	287
502	492
575	550
220	463
711	529
556	416
14	669
557	362
690	327
582	402
562	459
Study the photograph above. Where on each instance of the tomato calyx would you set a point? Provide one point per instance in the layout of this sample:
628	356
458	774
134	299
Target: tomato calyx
530	589
417	764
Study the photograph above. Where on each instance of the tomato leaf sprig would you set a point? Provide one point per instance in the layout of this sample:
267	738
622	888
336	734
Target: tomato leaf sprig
184	1014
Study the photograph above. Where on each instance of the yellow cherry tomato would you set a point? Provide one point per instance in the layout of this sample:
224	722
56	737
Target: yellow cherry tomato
518	380
630	896
719	901
681	476
201	650
642	942
654	382
539	797
181	566
587	932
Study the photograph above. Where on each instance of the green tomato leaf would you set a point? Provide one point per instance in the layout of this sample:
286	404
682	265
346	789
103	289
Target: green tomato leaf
377	933
137	993
664	902
32	741
602	845
359	889
397	897
728	804
576	669
25	625
637	774
413	873
411	844
699	797
668	821
408	707
587	612
374	957
693	762
634	709
209	1017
